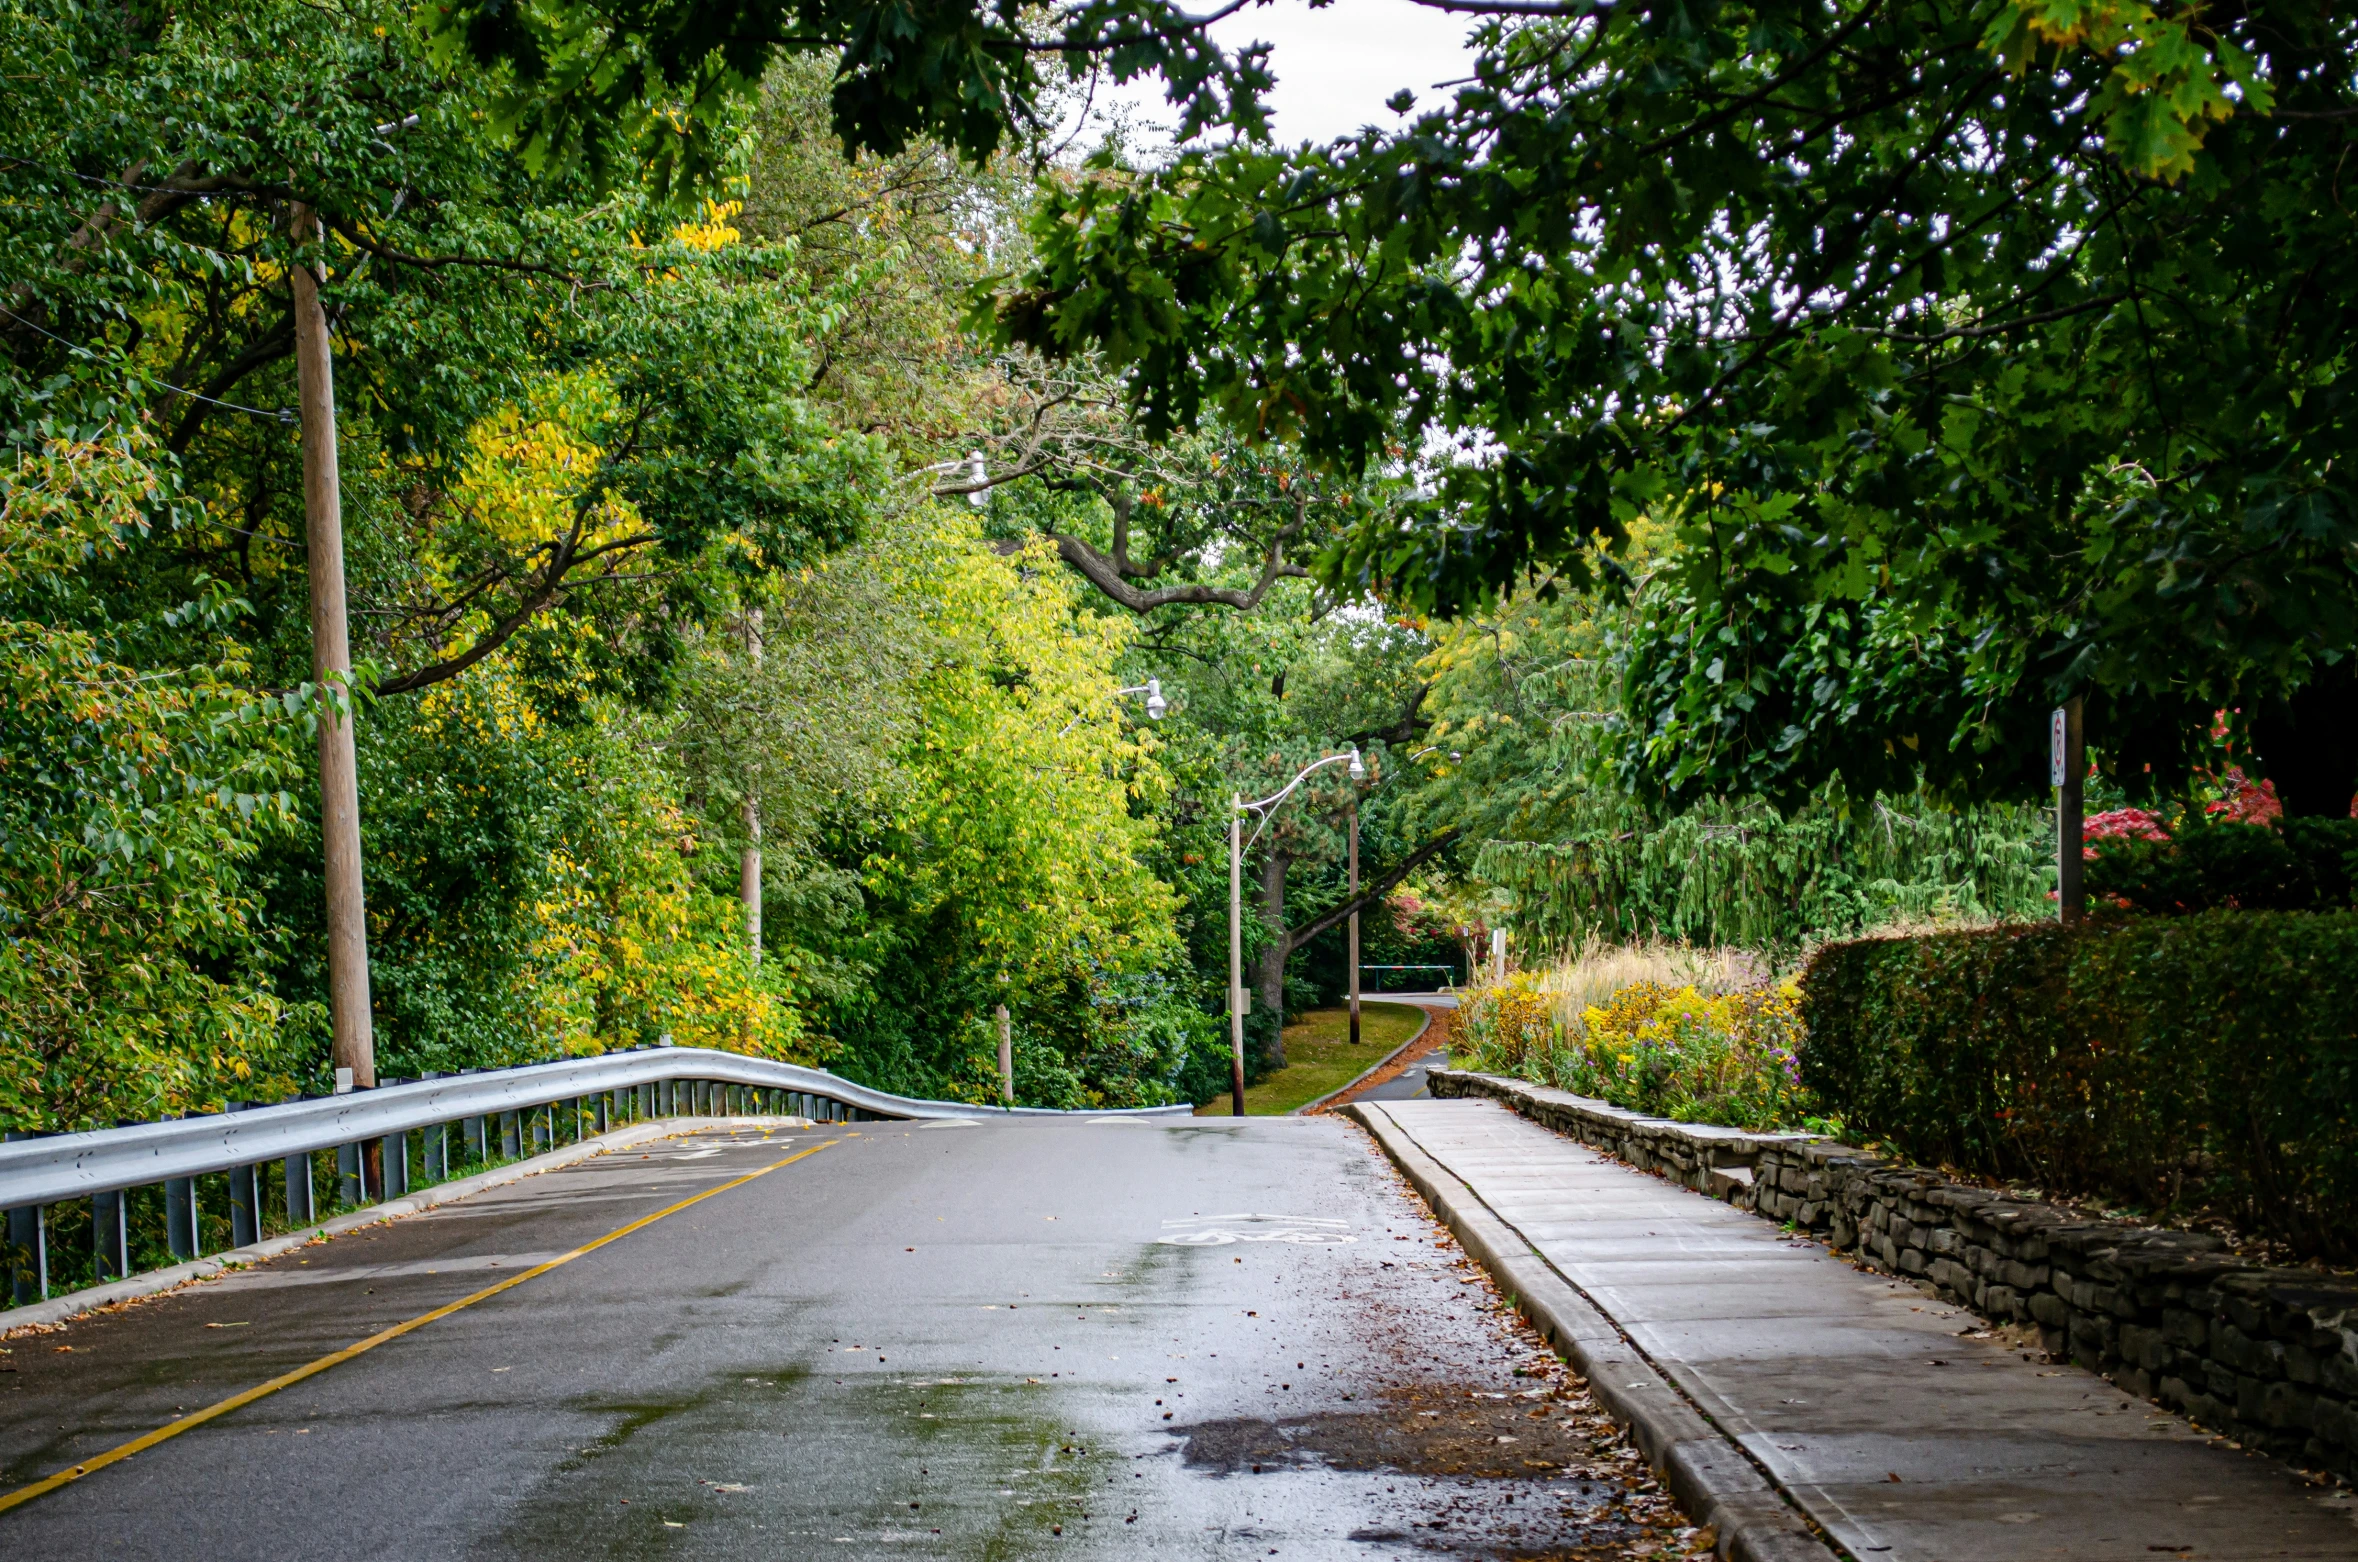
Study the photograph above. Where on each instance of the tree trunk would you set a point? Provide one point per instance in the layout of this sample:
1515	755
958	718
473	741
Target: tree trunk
354	1043
2308	743
1271	998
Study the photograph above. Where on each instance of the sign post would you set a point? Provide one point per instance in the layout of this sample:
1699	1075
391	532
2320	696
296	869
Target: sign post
2067	771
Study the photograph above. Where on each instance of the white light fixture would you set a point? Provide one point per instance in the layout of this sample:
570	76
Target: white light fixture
976	475
1358	770
1155	703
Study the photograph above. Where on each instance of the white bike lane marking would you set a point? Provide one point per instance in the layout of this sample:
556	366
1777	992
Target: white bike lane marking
1221	1230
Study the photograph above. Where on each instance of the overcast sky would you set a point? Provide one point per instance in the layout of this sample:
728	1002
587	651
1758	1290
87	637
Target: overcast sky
1335	66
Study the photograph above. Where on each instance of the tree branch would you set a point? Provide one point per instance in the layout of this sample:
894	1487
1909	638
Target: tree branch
1106	575
1372	893
271	346
1411	725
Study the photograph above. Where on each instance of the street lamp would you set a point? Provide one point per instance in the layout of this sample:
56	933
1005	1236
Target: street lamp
1267	808
1156	705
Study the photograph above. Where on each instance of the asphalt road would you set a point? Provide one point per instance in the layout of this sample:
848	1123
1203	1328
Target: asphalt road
1006	1340
1409	1084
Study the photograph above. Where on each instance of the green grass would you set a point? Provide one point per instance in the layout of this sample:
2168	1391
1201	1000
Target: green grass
1319	1056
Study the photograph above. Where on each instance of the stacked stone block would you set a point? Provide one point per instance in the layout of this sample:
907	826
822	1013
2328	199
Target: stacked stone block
2268	1356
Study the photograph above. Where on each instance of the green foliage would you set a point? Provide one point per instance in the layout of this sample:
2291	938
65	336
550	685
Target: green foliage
1966	380
2290	865
1750	874
656	90
132	965
585	447
2199	1062
1526	698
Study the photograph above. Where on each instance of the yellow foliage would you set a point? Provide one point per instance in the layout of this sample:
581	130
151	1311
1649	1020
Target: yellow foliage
714	230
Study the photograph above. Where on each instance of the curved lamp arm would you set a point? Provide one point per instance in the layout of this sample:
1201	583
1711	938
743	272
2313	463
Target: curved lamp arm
1267	807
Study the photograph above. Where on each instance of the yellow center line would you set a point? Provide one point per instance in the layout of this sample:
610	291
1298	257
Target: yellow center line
197	1418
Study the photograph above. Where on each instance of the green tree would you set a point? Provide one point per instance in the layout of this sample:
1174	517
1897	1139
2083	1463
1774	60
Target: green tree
1984	354
133	969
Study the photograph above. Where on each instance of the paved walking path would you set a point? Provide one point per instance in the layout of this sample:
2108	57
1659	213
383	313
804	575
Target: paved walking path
1410	1081
1901	1425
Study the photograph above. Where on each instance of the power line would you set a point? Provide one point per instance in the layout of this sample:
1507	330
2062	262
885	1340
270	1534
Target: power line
280	415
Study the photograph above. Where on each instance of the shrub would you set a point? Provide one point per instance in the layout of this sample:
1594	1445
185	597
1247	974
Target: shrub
2289	865
2207	1061
1676	1033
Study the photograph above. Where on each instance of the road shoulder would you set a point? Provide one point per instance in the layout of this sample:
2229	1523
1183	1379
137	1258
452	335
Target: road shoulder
1707	1472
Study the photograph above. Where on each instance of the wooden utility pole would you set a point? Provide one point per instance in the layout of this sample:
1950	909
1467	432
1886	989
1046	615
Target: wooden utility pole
1006	1057
749	865
2068	770
1353	939
354	1044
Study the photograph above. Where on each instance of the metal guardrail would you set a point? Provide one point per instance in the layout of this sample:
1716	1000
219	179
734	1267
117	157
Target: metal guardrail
372	1133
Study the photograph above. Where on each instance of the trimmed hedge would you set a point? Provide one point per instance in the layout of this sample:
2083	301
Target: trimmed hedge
2197	1062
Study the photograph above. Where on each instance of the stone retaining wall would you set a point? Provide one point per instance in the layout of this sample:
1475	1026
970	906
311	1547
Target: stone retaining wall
2268	1356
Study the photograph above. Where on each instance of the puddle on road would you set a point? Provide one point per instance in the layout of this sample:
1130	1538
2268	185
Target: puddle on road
1536	1473
783	1465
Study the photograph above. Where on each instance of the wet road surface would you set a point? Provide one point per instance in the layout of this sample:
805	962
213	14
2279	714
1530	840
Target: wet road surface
1409	1083
1005	1340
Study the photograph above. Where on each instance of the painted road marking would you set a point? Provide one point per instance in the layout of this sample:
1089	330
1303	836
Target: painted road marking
195	1419
1220	1230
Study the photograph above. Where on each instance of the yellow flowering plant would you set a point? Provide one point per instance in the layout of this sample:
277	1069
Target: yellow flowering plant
1729	1057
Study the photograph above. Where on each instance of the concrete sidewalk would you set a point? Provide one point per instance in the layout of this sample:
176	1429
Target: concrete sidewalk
1904	1427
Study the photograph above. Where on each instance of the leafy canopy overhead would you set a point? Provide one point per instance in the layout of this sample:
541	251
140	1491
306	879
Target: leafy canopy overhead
1981	353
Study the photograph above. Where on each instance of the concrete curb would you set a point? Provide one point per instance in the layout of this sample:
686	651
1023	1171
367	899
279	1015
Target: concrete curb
155	1282
1307	1107
1715	1481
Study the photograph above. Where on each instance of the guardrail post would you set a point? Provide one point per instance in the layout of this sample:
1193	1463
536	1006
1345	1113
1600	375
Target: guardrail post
438	1153
511	1141
351	1183
110	1235
28	1253
603	1106
180	1219
396	1160
245	1206
302	1202
479	1138
544	1127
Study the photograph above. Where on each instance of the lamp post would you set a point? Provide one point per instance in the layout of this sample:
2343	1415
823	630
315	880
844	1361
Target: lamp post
1353	897
1267	808
1353	893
